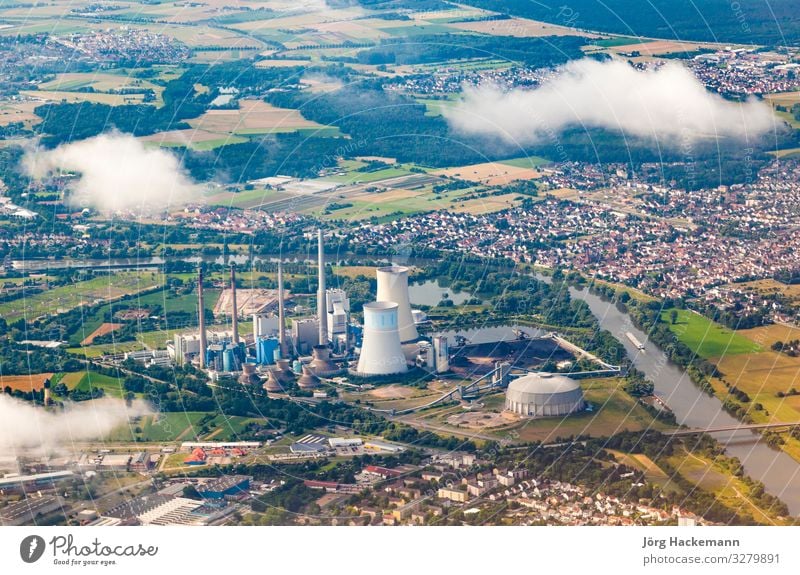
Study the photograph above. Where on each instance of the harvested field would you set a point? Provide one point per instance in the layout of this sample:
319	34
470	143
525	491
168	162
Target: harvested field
519	27
104	329
252	117
657	47
491	173
34	381
392	392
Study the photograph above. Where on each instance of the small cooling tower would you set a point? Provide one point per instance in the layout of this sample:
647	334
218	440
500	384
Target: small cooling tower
272	384
393	286
308	380
321	363
249	375
381	353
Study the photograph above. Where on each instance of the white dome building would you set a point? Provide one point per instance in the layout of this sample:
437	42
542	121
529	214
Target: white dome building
544	395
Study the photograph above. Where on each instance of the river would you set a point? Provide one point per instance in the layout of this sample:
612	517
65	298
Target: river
779	473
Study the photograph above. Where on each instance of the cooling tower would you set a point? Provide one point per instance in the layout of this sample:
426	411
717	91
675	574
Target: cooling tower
249	375
308	380
393	286
273	384
321	363
381	353
284	372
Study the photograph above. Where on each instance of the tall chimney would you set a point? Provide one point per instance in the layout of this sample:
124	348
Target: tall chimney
235	310
203	343
281	318
322	308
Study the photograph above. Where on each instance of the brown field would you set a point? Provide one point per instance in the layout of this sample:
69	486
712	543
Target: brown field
354	271
71	97
486	205
657	47
104	329
253	116
766	335
563	193
391	392
519	27
34	381
770	287
766	372
491	173
19	112
281	63
784	98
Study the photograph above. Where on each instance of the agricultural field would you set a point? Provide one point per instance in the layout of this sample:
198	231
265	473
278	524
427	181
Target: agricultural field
786	100
94	97
30	382
182	426
88	292
713	477
707	338
104	329
246	199
518	27
492	173
87	380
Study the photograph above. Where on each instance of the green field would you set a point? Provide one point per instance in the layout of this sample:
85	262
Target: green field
526	162
64	298
707	338
93	380
182	426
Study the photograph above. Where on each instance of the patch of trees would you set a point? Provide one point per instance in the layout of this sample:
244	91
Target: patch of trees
747	22
430	48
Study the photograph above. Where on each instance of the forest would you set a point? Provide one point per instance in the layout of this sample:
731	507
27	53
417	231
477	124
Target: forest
771	22
429	48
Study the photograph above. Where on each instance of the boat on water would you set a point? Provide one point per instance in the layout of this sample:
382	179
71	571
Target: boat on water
634	341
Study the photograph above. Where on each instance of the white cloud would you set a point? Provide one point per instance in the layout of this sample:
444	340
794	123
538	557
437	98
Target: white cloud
23	425
667	104
117	173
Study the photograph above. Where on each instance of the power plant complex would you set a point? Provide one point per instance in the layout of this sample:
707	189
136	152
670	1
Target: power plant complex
321	346
317	350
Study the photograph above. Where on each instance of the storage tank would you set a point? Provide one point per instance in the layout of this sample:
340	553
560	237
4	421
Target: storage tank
393	286
381	352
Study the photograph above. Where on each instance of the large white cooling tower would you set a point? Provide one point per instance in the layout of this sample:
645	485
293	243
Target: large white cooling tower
393	286
381	353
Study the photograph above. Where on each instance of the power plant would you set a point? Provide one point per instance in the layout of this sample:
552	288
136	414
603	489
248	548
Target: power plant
393	286
381	350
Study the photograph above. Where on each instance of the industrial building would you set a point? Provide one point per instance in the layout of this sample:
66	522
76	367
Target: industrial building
544	395
381	350
338	317
305	334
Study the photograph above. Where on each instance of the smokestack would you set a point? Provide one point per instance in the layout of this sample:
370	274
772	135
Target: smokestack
235	311
322	308
203	343
281	319
47	391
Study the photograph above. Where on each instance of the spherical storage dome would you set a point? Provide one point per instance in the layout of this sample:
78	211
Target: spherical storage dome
543	395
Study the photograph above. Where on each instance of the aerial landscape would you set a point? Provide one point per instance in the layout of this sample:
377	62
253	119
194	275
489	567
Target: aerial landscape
399	262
